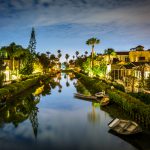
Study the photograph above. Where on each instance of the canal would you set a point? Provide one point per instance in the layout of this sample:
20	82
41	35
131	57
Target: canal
55	119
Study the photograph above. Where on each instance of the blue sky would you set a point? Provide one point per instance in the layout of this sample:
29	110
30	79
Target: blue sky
67	24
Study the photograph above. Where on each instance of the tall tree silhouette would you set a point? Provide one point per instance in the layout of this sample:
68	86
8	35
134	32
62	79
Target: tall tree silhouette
32	42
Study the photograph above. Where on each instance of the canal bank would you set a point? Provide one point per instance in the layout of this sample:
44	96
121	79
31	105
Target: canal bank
138	111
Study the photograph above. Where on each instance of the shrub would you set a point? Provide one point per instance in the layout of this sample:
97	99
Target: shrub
118	86
18	87
144	97
1	79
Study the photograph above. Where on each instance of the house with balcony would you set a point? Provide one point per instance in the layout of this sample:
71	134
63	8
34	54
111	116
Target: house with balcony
131	66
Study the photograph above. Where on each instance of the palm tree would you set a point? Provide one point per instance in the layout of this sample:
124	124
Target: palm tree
52	57
48	53
77	53
59	51
86	52
73	57
67	57
92	42
110	52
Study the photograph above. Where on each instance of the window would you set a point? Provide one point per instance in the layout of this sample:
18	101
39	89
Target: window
127	59
141	58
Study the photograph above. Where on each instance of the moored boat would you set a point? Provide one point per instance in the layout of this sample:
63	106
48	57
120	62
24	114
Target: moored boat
100	94
82	96
125	127
104	100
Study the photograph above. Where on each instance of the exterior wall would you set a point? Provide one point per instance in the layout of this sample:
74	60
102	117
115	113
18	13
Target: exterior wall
122	57
134	56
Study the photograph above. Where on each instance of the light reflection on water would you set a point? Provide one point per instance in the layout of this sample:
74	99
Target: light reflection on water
62	122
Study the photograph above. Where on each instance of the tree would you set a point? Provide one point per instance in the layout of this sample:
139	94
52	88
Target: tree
110	52
32	42
142	68
86	52
28	61
48	53
52	60
73	57
148	83
59	54
14	51
52	57
92	42
59	51
67	57
44	60
77	53
27	69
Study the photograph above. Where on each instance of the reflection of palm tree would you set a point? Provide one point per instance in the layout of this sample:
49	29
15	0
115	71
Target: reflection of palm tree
67	84
93	116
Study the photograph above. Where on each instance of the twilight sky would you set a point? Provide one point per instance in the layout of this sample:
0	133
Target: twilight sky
67	24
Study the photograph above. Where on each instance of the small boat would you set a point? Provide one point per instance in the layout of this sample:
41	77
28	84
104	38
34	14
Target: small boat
100	94
125	127
104	100
82	96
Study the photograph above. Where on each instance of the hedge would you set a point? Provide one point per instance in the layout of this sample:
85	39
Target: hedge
18	87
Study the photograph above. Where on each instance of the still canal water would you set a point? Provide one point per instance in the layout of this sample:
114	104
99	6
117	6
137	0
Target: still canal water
56	120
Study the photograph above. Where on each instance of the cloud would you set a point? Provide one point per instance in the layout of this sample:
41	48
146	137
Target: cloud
50	12
109	19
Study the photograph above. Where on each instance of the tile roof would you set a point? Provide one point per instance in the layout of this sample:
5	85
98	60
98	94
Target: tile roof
122	53
140	63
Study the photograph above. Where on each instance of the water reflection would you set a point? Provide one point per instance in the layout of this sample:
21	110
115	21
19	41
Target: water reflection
140	141
94	116
50	117
24	106
18	110
81	88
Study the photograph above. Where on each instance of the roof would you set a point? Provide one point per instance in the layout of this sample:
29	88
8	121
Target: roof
140	46
129	66
122	53
140	63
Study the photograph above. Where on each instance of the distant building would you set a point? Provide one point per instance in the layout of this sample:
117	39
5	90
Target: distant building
139	54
